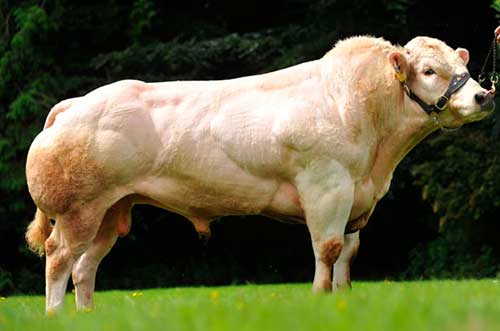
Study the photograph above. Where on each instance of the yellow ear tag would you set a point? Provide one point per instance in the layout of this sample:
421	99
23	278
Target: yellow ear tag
400	76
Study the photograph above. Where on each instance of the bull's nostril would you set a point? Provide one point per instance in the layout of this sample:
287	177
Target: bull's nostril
480	97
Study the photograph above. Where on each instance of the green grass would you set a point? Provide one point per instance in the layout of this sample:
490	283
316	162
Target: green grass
381	306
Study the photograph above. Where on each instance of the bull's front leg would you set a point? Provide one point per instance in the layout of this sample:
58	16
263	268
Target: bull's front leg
326	191
341	269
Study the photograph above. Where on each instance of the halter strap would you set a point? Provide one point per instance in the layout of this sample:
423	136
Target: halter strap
457	81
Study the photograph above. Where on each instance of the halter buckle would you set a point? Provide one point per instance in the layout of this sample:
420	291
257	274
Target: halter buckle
442	102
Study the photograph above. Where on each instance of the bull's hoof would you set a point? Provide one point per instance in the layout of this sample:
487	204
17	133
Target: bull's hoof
324	288
341	287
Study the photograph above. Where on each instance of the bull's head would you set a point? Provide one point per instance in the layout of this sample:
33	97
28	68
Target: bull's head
428	69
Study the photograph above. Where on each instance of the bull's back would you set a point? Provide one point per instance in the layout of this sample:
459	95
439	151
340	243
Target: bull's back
185	144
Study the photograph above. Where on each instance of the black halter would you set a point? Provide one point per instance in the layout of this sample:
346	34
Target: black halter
457	81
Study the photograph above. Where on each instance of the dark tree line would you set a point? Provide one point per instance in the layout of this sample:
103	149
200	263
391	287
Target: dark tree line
439	219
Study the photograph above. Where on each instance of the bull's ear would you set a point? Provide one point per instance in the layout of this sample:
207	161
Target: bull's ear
400	64
464	54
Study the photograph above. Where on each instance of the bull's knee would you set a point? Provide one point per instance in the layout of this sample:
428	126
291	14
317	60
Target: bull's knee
50	246
330	250
57	265
82	273
57	257
60	258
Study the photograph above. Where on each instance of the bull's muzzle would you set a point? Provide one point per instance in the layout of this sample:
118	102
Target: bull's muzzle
485	100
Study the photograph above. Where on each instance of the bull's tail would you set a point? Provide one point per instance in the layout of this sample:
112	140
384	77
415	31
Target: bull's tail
38	231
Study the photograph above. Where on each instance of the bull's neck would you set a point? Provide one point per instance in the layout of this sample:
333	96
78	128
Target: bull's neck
408	126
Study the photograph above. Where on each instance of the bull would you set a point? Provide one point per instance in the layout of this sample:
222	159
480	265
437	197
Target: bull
315	143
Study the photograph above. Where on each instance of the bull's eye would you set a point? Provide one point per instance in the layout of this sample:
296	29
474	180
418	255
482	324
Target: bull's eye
429	72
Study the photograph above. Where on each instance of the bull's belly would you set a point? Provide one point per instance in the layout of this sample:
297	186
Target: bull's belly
269	197
195	199
276	199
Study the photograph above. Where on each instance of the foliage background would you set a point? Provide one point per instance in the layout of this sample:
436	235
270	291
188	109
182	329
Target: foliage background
439	219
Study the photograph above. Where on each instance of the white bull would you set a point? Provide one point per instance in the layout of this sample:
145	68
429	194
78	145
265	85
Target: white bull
315	143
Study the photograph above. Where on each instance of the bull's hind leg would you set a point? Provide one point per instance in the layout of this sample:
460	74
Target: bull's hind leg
71	236
116	223
341	269
326	191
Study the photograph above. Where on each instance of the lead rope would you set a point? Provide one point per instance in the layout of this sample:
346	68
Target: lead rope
493	79
493	74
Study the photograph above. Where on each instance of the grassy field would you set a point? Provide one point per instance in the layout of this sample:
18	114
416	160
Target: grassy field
381	306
